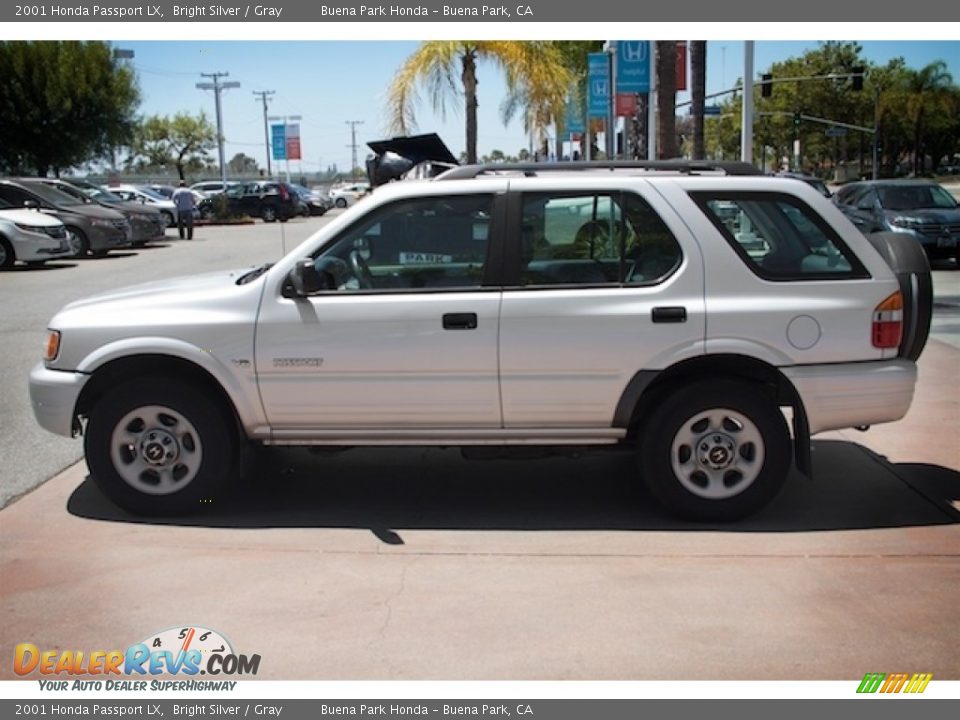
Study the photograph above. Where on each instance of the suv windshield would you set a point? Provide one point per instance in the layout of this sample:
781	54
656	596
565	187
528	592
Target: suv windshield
51	194
915	197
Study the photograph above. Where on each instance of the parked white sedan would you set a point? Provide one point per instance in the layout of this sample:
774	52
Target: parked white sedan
345	195
148	196
30	236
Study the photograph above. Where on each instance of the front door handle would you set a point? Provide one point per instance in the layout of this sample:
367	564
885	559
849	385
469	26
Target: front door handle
669	314
460	321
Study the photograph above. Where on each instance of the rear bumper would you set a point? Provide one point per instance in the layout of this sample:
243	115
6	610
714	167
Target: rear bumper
53	396
853	394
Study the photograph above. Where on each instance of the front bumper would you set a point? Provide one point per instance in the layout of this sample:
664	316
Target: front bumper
853	394
53	396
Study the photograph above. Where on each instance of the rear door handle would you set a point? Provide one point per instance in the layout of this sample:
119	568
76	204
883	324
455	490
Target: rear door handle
669	314
460	321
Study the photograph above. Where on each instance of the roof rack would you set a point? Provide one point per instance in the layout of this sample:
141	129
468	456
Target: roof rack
688	167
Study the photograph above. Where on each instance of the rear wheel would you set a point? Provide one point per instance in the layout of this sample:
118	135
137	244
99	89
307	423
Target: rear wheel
341	203
716	451
157	446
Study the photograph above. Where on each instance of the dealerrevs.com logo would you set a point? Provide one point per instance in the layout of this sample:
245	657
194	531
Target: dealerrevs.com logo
189	651
894	683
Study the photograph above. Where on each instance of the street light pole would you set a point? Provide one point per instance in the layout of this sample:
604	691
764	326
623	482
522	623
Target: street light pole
746	124
217	88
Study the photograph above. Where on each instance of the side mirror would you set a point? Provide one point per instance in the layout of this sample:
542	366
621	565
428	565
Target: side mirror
309	276
31	204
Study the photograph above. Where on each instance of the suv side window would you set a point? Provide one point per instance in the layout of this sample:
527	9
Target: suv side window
593	239
416	244
779	237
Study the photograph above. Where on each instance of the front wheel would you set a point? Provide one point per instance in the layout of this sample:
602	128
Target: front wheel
156	446
715	451
78	242
268	214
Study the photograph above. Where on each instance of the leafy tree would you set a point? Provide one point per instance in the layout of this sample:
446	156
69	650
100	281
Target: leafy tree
183	141
241	164
534	71
62	104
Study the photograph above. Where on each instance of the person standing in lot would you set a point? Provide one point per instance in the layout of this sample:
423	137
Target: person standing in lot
183	199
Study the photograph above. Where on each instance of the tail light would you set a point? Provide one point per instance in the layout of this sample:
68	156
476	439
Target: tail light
887	328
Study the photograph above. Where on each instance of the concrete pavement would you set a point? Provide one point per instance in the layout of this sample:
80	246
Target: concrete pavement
416	564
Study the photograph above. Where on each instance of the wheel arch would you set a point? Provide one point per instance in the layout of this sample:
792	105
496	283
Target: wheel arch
647	387
122	369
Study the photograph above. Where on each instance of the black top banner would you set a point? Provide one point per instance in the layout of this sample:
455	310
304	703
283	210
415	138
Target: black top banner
299	11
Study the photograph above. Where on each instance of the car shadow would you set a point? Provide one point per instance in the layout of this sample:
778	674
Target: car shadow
387	490
39	268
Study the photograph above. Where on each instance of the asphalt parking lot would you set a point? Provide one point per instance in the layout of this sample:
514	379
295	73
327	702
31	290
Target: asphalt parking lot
416	564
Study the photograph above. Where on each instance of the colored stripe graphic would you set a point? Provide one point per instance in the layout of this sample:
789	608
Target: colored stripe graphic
894	683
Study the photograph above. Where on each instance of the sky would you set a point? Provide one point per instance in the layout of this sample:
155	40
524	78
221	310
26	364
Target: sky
330	83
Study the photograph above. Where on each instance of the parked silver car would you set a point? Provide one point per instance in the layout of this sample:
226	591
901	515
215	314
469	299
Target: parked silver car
30	236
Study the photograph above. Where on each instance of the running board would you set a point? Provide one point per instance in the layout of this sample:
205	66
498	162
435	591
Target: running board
483	436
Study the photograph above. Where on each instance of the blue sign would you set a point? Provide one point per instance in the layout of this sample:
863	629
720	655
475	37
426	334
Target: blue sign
598	85
574	119
633	66
278	141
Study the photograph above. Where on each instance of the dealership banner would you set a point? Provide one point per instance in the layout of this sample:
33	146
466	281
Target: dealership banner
615	11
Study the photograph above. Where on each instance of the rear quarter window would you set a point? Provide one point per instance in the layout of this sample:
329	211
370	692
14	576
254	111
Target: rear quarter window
779	237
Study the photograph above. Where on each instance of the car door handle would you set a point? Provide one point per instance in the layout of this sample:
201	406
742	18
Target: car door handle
669	314
460	321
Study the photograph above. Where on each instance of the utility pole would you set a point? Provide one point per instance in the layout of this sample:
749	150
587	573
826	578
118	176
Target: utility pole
264	95
217	88
353	143
746	124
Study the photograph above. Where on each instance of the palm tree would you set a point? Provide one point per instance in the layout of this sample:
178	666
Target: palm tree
535	74
666	98
923	86
698	85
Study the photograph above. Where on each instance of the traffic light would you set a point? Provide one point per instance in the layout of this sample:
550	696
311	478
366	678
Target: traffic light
796	119
858	78
766	85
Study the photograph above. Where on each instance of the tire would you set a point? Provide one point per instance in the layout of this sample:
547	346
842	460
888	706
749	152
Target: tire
7	256
340	202
717	450
78	241
268	214
171	222
192	436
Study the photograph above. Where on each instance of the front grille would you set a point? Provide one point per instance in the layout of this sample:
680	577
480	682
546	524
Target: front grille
123	225
936	230
58	231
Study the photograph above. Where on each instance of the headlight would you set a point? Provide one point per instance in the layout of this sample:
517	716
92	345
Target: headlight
97	222
31	228
901	221
52	347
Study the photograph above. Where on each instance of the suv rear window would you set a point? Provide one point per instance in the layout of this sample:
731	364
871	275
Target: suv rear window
779	237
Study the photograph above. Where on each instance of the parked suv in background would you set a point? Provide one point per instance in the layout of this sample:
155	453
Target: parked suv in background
268	200
91	229
675	308
918	208
30	236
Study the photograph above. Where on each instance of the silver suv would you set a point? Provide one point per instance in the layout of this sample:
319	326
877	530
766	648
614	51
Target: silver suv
682	309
